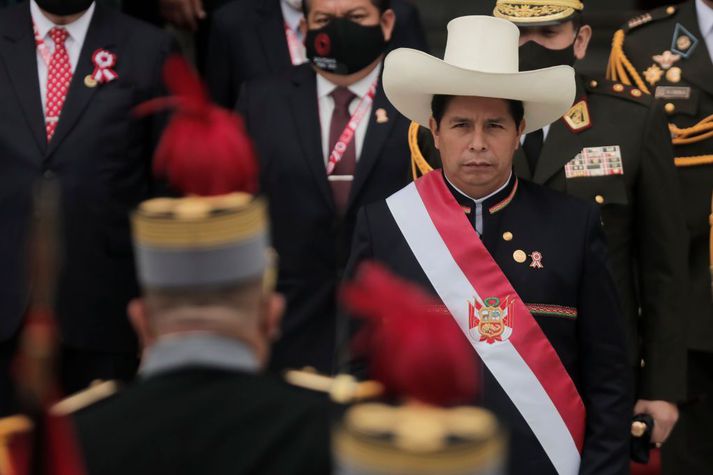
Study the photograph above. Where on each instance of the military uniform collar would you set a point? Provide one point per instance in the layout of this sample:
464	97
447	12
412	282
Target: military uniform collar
203	350
494	202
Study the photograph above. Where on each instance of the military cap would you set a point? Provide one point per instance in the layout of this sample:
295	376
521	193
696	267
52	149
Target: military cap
537	12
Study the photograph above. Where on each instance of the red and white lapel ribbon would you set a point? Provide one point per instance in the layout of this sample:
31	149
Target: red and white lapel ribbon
104	61
524	363
297	49
349	131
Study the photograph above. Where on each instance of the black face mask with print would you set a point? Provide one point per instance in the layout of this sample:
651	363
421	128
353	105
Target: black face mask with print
64	7
344	47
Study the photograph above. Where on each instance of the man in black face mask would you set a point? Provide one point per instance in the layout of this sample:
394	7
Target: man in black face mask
329	142
67	91
613	147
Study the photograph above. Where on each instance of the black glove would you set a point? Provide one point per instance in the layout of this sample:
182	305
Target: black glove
641	437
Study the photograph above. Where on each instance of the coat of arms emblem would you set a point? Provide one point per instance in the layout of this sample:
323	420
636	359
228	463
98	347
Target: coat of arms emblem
490	321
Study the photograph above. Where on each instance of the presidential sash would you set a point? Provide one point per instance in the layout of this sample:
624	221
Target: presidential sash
492	316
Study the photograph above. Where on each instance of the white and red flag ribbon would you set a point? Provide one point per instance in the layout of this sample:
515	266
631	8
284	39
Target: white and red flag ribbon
104	61
493	317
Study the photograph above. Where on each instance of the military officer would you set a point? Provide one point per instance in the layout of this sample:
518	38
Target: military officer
612	148
520	268
668	53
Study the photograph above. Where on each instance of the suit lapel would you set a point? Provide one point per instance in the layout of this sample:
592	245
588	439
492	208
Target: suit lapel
697	68
561	146
272	34
20	56
376	135
100	35
305	115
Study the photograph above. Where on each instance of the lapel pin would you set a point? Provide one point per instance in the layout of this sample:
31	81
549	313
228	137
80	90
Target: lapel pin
381	116
536	260
673	75
519	256
89	81
507	236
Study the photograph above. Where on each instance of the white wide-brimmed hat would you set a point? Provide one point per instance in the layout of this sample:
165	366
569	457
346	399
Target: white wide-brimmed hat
481	59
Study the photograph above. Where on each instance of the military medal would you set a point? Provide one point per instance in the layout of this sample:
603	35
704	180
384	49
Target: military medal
673	75
653	74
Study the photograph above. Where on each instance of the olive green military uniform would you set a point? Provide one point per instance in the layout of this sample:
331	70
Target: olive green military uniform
665	52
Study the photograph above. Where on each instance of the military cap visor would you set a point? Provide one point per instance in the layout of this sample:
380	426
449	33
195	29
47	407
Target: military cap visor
536	13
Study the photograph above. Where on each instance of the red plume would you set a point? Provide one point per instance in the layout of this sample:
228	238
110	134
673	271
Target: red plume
415	349
205	149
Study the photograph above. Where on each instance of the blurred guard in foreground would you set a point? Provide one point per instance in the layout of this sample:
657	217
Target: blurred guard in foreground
207	318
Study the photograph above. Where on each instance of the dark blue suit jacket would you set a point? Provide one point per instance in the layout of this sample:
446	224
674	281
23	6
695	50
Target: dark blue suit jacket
101	158
567	232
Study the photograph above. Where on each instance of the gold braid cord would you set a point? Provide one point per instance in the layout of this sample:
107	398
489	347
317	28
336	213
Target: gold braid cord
418	162
9	428
620	68
690	135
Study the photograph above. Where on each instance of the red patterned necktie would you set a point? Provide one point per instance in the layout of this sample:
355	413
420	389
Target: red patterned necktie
59	75
341	178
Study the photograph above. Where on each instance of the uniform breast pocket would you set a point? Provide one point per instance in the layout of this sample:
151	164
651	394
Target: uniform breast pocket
679	100
606	190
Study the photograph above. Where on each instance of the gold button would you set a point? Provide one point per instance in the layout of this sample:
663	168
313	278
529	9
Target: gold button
89	81
669	108
593	83
519	256
599	199
636	93
618	88
671	10
507	236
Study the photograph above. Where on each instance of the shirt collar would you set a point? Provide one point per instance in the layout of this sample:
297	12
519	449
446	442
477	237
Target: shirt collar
359	88
495	201
705	17
198	349
77	29
291	16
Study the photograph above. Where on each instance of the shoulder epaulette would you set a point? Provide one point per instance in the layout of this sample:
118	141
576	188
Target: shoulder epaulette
342	389
619	68
617	89
98	391
649	17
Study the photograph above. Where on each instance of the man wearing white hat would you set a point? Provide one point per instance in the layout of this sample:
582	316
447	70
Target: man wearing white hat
521	269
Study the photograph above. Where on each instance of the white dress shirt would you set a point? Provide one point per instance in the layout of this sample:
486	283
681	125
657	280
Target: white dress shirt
326	108
705	23
77	33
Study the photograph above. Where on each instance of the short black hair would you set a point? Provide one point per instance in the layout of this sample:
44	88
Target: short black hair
440	102
382	5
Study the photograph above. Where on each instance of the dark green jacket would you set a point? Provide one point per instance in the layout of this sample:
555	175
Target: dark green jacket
687	104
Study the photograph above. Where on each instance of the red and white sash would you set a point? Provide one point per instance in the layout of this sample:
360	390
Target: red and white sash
474	289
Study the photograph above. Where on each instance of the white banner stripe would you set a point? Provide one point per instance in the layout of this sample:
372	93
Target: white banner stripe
502	359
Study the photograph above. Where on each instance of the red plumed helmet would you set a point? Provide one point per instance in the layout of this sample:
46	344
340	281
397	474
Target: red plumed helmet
205	149
415	348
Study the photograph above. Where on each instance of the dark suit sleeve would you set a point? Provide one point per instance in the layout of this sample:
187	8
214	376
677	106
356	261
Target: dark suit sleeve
662	243
605	376
221	77
347	326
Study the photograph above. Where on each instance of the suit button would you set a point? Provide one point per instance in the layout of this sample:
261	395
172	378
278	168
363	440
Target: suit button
599	199
48	174
669	108
618	88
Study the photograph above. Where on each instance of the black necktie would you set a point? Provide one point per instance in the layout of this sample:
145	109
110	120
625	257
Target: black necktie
533	147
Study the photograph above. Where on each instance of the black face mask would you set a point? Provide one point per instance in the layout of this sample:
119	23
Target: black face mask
64	7
536	56
344	47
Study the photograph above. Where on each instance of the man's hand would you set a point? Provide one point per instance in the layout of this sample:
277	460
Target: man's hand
184	14
665	415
